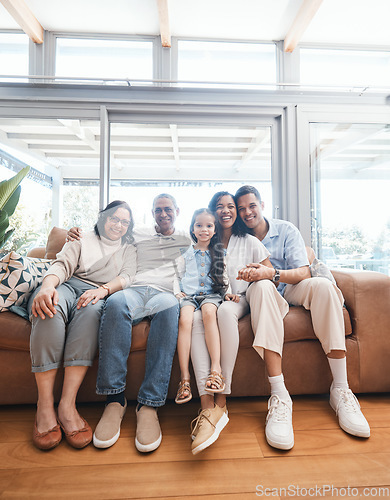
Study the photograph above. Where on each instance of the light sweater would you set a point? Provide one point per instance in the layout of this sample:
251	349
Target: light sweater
95	261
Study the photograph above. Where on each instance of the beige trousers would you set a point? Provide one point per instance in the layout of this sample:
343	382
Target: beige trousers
228	315
325	302
268	308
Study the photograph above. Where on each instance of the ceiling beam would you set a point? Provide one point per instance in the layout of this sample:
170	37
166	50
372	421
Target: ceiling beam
175	145
302	20
258	142
25	18
163	15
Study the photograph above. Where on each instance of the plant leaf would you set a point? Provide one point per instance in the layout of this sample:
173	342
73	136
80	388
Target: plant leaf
12	202
9	186
6	237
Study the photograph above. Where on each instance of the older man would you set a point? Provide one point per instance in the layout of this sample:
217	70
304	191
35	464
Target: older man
149	296
291	274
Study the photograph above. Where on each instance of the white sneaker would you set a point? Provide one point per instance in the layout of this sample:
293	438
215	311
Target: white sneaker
278	428
347	408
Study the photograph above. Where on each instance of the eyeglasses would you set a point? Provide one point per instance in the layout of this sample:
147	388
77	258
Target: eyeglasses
123	222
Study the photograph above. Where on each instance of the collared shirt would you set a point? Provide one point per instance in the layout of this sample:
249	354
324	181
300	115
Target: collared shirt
156	257
286	246
196	279
193	269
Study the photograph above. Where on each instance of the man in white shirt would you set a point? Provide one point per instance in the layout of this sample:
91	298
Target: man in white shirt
291	274
149	296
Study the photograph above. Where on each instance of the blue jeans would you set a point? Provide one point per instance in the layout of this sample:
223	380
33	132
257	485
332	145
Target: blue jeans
121	310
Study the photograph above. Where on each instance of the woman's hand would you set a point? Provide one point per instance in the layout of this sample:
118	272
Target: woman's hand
256	272
232	297
180	295
74	233
44	302
93	296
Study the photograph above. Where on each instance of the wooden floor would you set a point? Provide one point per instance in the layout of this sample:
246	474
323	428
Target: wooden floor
240	465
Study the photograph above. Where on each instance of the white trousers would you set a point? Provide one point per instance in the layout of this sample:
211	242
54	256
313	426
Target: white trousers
228	315
268	308
325	302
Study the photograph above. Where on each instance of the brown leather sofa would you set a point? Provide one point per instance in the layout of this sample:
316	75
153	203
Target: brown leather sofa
306	371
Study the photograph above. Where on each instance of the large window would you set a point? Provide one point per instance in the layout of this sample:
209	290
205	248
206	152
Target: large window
103	58
351	185
226	62
344	67
63	185
191	162
13	54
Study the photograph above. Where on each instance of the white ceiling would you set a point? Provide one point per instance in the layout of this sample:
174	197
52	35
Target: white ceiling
352	22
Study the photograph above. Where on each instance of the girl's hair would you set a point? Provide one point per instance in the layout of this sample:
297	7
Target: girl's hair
107	212
237	228
216	252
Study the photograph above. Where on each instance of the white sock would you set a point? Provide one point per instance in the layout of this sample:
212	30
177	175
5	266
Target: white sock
338	367
278	388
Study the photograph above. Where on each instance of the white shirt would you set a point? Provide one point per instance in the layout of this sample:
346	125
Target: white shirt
240	252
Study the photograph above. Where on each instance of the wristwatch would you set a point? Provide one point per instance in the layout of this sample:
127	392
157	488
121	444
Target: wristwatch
276	277
106	288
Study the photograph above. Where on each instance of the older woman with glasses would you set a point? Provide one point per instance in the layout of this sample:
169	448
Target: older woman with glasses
65	315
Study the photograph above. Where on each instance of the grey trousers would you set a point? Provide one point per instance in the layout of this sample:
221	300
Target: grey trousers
71	335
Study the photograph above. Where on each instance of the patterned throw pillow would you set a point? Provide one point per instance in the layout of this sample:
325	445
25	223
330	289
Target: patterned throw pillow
19	277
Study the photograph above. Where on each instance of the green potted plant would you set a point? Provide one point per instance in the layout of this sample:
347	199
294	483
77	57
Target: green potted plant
9	197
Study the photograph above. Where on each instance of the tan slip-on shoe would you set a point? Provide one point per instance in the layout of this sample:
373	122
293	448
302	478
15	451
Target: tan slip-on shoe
207	427
108	429
46	440
148	435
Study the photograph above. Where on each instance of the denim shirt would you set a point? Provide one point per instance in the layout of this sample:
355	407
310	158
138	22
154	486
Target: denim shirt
196	280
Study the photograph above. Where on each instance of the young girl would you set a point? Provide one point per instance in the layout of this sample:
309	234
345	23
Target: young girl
201	283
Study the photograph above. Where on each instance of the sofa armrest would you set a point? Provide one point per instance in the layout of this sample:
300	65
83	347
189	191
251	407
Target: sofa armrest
367	298
37	252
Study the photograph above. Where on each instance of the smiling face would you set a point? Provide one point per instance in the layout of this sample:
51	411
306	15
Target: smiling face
226	212
250	209
117	224
165	213
204	227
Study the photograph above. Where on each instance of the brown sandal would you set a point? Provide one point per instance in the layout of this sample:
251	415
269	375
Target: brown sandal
184	386
217	380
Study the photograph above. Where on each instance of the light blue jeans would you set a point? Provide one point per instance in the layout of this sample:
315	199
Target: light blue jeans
122	310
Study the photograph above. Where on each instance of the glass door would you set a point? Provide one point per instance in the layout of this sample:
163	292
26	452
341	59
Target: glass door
190	161
350	186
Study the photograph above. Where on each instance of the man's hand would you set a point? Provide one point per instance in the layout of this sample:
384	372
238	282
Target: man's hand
256	272
232	297
91	295
180	295
74	233
44	302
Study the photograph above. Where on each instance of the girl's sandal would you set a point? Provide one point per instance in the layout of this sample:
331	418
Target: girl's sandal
184	386
217	380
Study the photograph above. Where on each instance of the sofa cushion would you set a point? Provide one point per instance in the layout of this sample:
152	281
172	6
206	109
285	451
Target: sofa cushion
19	277
55	242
